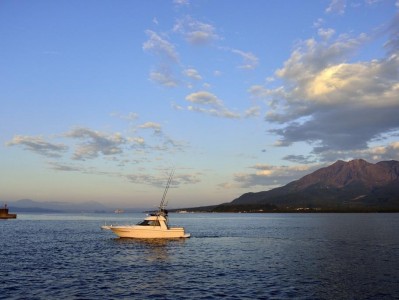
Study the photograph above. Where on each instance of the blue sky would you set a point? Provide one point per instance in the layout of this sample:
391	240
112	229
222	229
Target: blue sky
101	99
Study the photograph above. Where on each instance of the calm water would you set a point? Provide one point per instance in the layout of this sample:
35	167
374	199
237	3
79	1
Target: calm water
232	256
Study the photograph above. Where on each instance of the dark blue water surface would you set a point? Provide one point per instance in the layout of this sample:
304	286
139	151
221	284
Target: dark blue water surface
232	256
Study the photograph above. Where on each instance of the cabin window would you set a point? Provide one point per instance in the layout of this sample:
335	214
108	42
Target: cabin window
149	223
154	223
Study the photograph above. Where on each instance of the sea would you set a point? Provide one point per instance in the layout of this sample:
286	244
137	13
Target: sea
229	256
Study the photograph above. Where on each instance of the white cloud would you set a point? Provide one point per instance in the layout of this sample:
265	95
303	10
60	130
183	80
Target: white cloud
207	103
192	73
151	125
326	33
38	145
332	103
204	97
137	140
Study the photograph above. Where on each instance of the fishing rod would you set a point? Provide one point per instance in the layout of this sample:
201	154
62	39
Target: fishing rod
161	206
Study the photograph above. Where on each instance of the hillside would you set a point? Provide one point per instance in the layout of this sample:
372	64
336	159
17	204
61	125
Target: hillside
356	185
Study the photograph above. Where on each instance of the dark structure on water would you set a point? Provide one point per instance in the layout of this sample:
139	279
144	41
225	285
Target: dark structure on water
5	215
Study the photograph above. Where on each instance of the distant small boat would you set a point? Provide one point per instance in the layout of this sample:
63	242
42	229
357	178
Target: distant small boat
119	211
155	226
5	215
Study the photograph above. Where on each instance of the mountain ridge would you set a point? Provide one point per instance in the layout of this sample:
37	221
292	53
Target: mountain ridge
353	184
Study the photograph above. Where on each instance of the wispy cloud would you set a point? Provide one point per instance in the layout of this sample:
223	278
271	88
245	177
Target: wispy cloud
192	73
207	103
38	145
164	77
196	32
336	7
167	55
326	33
160	46
181	2
129	117
301	159
250	60
392	30
156	127
95	143
86	145
57	166
269	176
372	153
252	112
160	179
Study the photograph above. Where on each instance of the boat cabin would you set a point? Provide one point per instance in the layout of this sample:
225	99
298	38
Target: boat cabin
149	223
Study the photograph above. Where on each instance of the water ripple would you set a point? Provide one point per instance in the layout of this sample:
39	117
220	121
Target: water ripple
307	256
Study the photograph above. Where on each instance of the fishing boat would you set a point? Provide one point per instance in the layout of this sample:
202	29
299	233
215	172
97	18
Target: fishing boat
154	226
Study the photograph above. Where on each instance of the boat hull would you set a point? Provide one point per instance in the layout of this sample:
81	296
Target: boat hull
8	216
149	232
5	215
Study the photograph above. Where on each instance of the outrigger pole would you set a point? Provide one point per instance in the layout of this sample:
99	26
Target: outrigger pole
162	206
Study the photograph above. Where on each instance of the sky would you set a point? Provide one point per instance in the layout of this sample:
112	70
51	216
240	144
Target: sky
100	100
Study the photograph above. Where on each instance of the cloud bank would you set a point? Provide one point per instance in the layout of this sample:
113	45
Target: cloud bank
330	102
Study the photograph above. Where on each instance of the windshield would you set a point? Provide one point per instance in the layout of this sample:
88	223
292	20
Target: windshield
149	223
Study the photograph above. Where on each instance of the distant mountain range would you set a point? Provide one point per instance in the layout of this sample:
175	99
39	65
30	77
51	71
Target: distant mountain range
28	205
356	185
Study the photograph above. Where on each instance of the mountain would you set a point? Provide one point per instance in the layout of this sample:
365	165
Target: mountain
354	185
28	205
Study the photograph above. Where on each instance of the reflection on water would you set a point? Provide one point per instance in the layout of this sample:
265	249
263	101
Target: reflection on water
150	249
251	256
149	242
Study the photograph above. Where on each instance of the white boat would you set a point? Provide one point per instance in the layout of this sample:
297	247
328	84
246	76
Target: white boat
155	226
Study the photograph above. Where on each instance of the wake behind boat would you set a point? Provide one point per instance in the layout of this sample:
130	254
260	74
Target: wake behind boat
155	226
